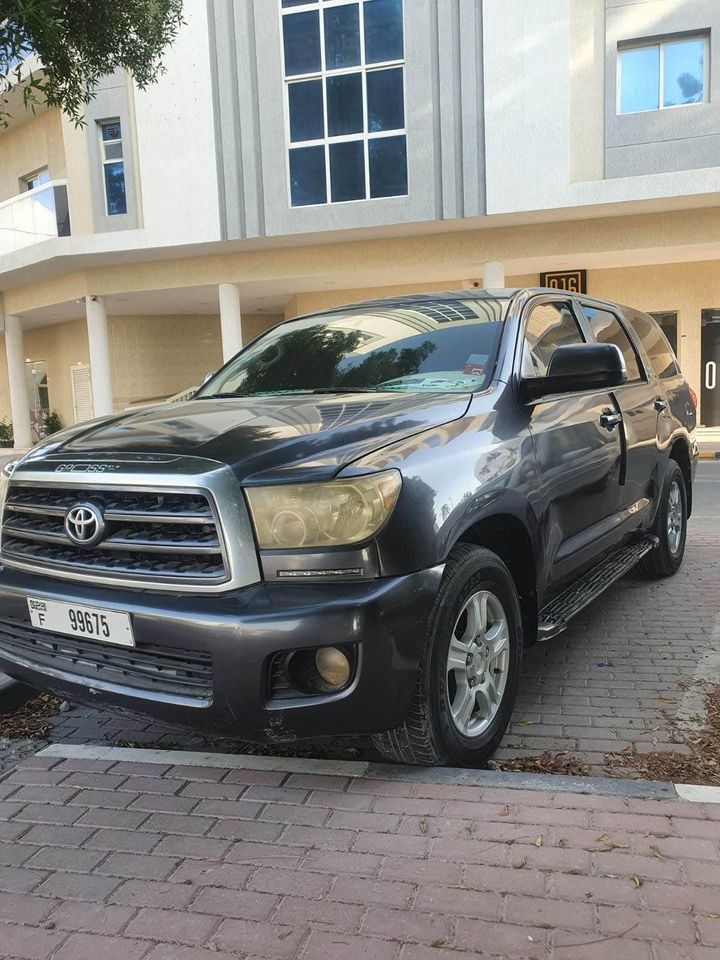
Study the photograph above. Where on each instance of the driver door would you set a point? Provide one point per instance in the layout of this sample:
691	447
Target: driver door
576	439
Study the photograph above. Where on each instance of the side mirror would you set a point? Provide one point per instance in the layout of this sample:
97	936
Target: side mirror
208	376
576	367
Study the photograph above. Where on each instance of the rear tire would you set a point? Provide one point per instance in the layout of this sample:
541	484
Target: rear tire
469	672
670	527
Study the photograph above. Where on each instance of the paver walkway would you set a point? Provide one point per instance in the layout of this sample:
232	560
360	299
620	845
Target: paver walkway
116	860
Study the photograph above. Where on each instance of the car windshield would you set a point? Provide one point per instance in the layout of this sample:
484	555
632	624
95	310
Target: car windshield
425	345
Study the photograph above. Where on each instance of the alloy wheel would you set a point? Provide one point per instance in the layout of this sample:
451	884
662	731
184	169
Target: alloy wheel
674	518
477	663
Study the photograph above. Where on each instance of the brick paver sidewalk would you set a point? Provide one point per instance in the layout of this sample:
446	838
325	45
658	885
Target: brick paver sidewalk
105	859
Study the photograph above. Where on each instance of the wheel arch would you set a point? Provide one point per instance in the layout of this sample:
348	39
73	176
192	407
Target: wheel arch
680	453
508	537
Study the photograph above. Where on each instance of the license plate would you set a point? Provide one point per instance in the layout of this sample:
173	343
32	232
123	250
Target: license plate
91	623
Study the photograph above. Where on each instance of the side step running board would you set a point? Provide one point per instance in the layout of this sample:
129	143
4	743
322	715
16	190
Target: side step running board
553	618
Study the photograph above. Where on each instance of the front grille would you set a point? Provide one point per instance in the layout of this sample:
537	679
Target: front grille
161	536
154	669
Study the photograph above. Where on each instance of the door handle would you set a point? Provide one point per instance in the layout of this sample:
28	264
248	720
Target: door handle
660	405
610	420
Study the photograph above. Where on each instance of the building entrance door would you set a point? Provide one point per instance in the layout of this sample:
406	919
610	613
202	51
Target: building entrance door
710	359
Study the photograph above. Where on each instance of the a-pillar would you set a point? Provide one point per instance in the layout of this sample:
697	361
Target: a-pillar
99	349
19	406
230	320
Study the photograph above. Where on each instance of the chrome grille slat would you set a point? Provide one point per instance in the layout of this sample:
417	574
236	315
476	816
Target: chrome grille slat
37	508
163	535
158	517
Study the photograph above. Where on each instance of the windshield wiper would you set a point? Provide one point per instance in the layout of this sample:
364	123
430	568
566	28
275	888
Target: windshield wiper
284	393
222	396
341	390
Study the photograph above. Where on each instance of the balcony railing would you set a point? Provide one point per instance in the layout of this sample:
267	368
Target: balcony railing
34	216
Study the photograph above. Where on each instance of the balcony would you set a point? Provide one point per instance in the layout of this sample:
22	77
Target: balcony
34	216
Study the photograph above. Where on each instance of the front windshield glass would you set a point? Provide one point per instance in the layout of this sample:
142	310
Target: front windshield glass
424	345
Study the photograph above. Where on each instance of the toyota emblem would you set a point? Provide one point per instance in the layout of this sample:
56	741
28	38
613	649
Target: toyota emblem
84	524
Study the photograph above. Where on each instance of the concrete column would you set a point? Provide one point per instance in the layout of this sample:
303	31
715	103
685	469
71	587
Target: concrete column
493	275
230	320
19	406
99	347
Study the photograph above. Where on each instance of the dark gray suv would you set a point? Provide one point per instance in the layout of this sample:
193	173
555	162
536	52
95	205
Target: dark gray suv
357	524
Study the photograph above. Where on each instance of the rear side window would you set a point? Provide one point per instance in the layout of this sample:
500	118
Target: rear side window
549	325
655	344
606	329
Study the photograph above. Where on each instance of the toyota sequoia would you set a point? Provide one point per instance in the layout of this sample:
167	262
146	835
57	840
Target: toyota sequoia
357	524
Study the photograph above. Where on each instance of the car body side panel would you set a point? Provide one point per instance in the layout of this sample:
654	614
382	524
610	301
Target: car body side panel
579	463
455	475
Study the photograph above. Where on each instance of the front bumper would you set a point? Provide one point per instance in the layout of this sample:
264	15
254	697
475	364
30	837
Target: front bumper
236	635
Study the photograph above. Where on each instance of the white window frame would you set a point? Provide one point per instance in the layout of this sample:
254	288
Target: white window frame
364	135
661	43
104	160
29	177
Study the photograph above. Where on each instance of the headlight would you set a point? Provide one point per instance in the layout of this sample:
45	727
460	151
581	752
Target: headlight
5	473
328	514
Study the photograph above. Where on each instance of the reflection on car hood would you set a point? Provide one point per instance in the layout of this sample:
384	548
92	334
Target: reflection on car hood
301	436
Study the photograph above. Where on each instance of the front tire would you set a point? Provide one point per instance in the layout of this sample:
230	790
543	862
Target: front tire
470	667
670	527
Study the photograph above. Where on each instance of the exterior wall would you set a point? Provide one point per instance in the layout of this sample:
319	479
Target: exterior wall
444	121
656	141
79	183
113	99
547	145
253	324
174	127
156	357
27	146
61	346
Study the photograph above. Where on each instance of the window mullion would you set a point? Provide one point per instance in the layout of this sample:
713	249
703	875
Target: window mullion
661	78
326	125
366	118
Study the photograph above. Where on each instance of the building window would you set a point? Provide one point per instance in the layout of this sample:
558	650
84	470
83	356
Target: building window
36	179
344	100
113	167
662	74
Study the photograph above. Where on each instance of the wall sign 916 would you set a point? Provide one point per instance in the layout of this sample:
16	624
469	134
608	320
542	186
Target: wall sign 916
572	281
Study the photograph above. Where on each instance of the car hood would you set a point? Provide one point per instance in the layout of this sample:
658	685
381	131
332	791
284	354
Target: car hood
263	438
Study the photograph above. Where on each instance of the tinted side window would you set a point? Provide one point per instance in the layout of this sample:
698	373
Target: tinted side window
655	344
606	329
549	325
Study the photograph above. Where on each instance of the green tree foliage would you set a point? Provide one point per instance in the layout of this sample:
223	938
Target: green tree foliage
77	42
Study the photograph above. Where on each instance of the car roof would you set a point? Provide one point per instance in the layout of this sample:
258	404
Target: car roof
449	296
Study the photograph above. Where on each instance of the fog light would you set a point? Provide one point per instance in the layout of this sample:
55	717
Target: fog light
333	666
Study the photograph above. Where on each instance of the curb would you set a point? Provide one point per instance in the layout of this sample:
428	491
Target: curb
709	455
482	779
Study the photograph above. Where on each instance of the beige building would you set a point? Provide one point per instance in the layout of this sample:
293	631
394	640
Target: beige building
300	155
